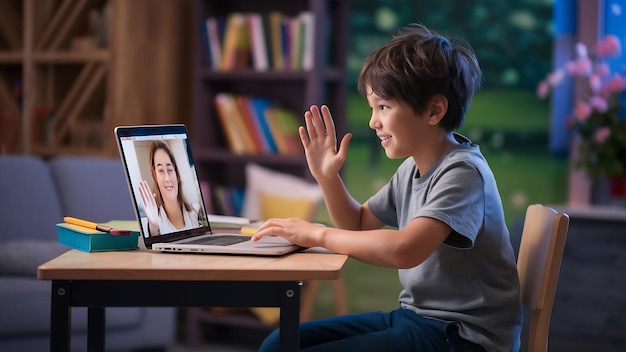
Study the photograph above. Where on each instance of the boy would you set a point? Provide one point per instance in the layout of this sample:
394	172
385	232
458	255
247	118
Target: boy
451	246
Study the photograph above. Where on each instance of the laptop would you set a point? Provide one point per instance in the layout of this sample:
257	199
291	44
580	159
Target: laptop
174	184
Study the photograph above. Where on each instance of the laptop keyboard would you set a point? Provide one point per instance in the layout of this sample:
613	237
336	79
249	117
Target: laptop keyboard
220	240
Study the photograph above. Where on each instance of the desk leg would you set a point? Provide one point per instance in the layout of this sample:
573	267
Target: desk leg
95	329
60	317
290	317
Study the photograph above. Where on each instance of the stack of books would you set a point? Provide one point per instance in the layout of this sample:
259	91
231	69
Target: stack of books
91	237
253	125
271	41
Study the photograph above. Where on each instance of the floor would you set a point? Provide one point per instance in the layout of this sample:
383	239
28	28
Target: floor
223	339
211	348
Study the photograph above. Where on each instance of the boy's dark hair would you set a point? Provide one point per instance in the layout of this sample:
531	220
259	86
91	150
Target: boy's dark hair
418	64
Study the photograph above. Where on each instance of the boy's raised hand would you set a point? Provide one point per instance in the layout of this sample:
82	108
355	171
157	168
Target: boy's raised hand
320	143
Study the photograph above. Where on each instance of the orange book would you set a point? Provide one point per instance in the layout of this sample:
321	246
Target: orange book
236	53
241	125
225	111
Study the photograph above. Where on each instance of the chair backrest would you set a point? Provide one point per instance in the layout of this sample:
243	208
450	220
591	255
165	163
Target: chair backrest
538	264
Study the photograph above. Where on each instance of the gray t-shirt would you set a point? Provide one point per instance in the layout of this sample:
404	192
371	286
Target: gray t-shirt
471	278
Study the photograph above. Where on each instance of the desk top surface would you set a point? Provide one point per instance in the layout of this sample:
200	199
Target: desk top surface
146	265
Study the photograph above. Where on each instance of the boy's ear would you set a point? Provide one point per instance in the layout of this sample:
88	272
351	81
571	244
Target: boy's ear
438	108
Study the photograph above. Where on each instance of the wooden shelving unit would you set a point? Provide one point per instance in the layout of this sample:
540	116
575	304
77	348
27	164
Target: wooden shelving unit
324	83
54	75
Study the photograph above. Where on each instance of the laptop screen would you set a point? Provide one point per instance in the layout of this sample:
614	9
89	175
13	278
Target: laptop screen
163	181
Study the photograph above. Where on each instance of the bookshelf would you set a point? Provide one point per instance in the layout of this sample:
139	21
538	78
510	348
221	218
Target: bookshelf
54	64
323	82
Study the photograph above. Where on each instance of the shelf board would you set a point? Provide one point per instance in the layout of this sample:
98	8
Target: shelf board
221	155
77	56
285	75
11	57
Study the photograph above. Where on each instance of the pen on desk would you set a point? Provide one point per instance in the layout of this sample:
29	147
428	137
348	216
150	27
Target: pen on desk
248	230
93	225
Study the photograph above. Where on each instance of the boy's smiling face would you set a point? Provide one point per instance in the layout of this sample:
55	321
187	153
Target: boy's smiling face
400	129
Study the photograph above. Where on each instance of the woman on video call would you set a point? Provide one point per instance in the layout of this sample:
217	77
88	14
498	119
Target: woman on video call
167	209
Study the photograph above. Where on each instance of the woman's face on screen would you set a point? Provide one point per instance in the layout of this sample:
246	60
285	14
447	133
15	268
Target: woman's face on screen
165	175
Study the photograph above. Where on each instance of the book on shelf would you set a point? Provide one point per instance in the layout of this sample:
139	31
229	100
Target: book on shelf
296	49
258	105
228	113
260	41
253	125
275	19
267	34
284	126
91	240
308	37
256	125
228	200
236	49
243	129
213	32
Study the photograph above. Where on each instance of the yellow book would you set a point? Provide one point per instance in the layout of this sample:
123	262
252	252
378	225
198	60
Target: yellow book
236	53
243	131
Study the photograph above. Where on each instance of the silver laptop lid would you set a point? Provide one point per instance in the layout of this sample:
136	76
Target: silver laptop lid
159	156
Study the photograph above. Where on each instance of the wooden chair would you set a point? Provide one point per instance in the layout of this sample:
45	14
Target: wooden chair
538	264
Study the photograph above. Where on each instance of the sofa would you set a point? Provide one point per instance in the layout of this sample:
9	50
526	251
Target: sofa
36	194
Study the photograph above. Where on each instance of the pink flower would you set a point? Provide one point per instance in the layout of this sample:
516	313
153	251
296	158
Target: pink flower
609	47
602	134
599	104
582	111
555	77
570	67
595	82
581	67
602	70
597	112
614	85
543	89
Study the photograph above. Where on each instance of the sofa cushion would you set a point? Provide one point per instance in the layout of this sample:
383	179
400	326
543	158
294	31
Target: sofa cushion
30	203
75	177
22	257
26	309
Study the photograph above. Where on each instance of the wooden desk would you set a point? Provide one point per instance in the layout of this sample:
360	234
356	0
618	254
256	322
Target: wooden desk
143	278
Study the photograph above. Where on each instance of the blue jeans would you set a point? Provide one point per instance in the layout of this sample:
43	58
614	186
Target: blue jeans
398	330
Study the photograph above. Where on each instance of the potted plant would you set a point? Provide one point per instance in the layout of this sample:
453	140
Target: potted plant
599	114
